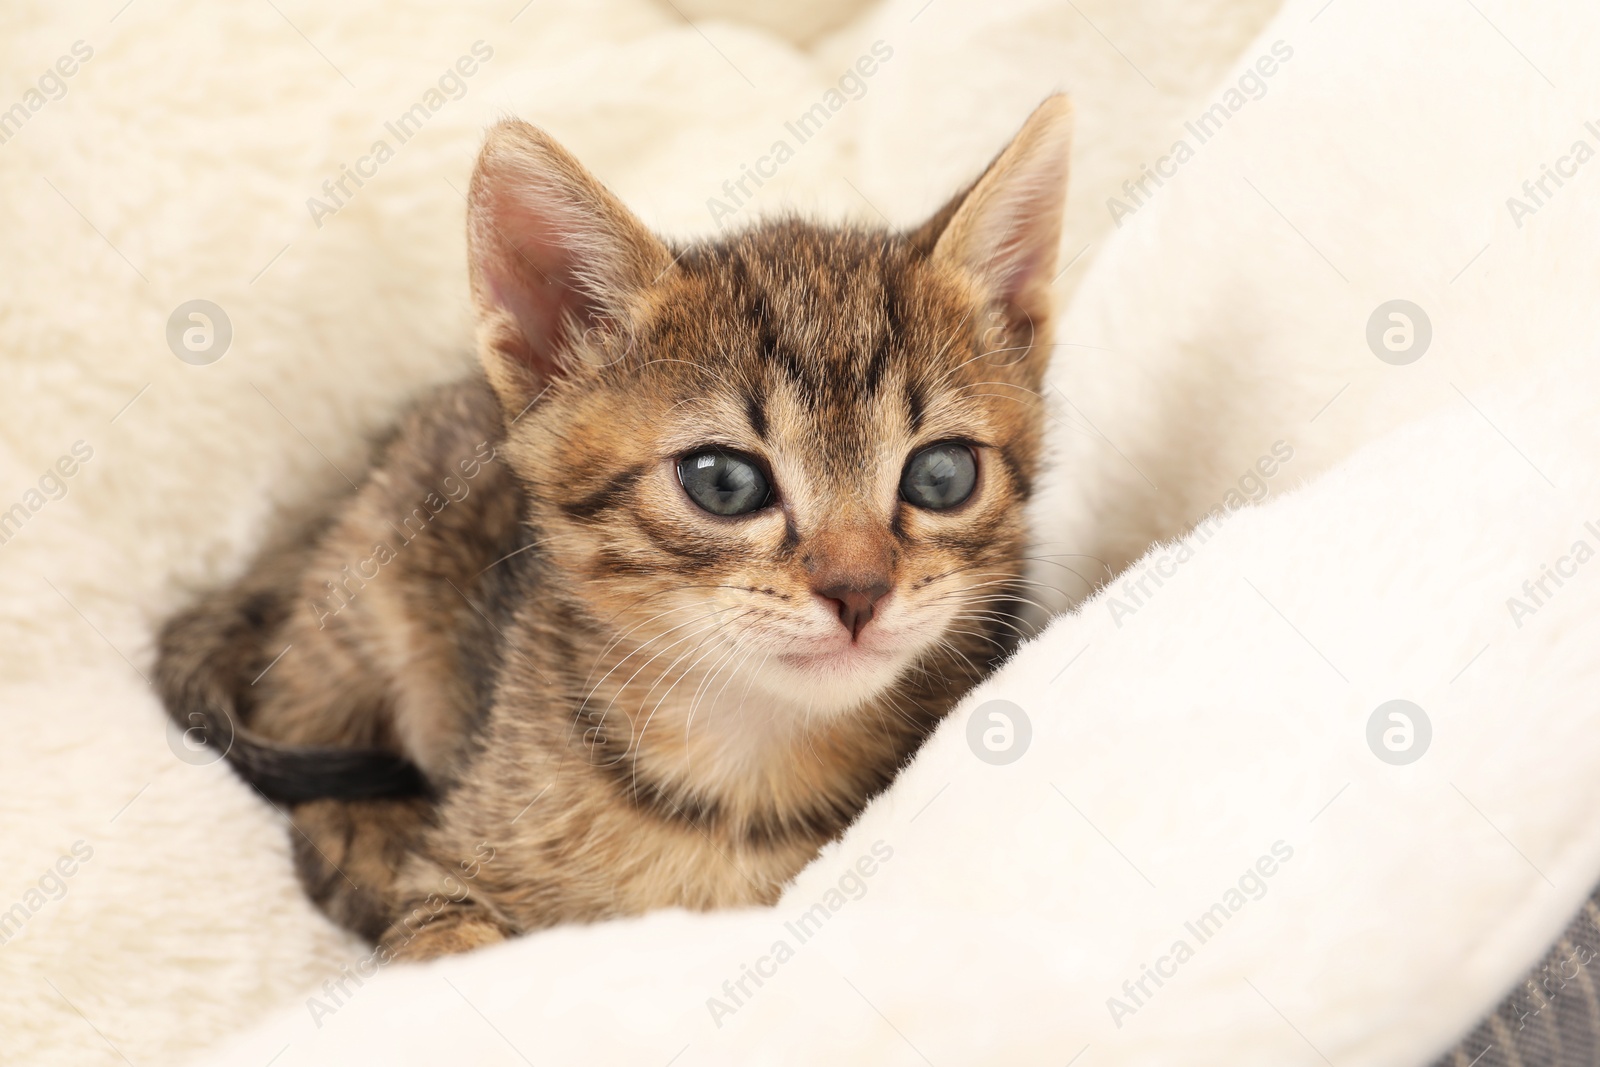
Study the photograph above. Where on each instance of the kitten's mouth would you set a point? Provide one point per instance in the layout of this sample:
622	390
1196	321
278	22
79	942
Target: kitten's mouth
839	657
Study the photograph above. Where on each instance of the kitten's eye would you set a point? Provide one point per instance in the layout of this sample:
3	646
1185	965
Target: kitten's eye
724	484
940	476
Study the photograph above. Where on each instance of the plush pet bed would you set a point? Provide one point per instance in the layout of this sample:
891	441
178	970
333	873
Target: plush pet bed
1198	857
1172	747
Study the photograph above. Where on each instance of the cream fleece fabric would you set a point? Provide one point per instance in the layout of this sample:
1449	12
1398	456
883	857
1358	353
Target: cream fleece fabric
190	156
1197	855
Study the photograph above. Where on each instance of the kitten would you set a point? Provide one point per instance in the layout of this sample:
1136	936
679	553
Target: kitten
646	614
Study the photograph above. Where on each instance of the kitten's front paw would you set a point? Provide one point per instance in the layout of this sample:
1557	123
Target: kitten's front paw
447	934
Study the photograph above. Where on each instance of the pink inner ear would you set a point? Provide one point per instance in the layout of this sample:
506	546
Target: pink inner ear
1022	261
537	313
1008	228
1011	236
529	272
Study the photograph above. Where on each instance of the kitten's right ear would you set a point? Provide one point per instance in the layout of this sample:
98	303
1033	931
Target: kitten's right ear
1003	229
552	253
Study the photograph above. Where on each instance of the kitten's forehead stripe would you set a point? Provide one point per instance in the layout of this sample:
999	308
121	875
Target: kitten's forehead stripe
916	405
824	307
755	409
888	334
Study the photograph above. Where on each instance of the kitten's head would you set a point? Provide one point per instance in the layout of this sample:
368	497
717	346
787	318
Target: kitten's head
795	458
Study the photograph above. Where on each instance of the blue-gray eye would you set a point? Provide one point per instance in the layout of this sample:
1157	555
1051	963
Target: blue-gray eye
723	483
940	476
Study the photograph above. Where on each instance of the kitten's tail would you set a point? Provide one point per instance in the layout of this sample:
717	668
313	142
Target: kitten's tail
211	653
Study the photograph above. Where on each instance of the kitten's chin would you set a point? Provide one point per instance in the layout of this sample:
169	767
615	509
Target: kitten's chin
833	680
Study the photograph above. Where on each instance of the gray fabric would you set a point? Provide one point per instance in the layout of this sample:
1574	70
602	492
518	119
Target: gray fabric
1552	1017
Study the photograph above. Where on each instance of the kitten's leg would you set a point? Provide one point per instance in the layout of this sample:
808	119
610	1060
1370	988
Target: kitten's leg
420	933
444	907
348	853
444	922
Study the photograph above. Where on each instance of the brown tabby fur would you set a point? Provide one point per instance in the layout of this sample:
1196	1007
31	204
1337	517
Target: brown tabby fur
594	675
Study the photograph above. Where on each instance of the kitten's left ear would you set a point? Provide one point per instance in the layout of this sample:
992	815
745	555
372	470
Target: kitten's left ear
552	253
1003	231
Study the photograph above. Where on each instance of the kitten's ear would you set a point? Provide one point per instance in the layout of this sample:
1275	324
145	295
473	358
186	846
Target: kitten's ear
552	253
1003	229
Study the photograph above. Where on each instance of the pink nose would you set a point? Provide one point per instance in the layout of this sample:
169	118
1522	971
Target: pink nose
855	603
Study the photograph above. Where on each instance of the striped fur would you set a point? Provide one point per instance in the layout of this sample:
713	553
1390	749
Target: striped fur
619	701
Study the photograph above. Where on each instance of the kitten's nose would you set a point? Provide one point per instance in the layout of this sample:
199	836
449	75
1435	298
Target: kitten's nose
855	603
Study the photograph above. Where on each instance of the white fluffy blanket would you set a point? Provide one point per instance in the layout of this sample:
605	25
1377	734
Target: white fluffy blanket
1171	748
1197	801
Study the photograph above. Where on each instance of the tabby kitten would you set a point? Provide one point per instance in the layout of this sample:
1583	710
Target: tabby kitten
644	616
